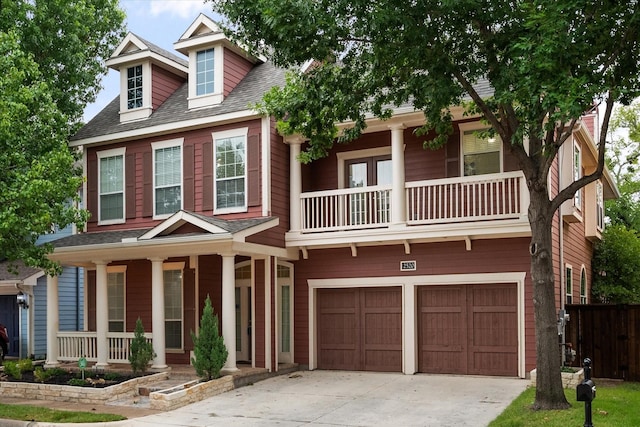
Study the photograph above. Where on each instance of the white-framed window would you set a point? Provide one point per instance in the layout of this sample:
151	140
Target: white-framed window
205	72
230	160
568	282
167	177
111	186
134	87
583	285
285	314
480	155
577	174
173	307
116	298
599	206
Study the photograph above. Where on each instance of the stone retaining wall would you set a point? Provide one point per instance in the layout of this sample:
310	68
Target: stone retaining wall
88	395
569	380
194	391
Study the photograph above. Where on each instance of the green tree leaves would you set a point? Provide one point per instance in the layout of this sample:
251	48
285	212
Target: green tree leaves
51	57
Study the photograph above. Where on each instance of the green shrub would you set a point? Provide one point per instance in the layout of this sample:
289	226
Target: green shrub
111	376
25	365
41	375
209	350
77	382
11	368
141	351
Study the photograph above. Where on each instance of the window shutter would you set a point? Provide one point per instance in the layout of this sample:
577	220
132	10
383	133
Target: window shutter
147	184
130	185
92	188
91	300
253	170
187	181
207	176
452	152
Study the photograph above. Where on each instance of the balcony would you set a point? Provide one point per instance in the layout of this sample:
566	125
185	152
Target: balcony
463	206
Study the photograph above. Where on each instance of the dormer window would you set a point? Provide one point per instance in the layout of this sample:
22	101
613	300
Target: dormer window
204	72
134	87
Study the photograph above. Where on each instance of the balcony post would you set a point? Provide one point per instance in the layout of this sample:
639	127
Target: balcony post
157	314
295	174
102	315
53	320
398	193
229	310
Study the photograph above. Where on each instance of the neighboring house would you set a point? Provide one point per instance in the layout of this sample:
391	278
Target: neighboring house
381	256
26	323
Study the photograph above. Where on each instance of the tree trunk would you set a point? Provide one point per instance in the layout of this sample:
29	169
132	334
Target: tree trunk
549	390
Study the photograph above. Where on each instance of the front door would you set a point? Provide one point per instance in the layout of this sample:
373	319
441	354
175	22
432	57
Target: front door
9	317
243	313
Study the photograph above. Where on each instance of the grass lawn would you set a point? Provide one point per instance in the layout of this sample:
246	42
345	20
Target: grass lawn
615	405
37	413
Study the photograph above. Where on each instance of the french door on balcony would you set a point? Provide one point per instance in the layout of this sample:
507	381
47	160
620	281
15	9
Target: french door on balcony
369	207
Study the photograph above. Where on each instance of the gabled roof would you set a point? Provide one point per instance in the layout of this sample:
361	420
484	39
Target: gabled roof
134	48
106	126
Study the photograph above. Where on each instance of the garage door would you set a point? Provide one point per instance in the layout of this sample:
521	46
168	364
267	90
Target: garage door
468	329
360	329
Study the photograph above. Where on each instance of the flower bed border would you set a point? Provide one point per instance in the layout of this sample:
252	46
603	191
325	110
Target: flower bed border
88	395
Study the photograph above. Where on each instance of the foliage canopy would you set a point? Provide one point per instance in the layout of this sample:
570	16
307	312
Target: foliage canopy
51	56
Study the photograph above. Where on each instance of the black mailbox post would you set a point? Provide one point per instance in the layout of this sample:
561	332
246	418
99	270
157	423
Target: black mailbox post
586	392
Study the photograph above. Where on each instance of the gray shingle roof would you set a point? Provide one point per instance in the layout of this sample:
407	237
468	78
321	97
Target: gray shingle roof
163	52
175	109
107	237
20	271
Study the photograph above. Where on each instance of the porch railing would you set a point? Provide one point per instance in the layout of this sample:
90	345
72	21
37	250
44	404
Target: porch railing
74	345
451	200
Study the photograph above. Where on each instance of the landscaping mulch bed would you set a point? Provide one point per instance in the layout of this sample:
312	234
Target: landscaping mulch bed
72	378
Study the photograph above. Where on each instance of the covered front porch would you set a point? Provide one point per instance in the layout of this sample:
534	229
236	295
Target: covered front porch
163	275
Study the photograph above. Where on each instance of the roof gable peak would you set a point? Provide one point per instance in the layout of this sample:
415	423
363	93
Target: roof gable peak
131	43
200	26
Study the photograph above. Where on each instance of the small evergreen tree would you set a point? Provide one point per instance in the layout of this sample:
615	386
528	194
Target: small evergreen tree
209	350
141	351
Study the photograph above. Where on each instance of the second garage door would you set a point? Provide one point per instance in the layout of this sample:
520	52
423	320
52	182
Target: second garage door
468	329
360	329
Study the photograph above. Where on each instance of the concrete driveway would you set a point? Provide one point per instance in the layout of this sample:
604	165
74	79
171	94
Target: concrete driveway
336	398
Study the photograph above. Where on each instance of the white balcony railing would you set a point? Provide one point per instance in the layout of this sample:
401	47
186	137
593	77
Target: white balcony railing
475	198
451	200
74	345
346	209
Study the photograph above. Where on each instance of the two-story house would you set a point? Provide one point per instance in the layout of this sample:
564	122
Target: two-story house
381	256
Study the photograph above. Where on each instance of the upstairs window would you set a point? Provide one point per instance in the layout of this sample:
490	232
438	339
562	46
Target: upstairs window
480	155
204	72
599	206
569	283
134	87
111	186
583	286
167	177
577	174
230	171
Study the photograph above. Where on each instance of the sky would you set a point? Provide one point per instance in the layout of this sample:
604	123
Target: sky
161	22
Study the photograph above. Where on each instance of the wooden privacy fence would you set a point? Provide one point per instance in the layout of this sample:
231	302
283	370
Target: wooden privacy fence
609	335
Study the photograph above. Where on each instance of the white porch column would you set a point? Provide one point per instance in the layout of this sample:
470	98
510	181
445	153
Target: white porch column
157	313
53	320
102	314
295	175
229	310
398	193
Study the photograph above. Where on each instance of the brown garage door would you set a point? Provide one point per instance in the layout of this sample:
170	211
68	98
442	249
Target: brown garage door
468	329
360	329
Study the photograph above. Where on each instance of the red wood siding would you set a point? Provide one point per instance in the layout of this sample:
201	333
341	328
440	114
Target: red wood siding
486	256
163	84
235	69
197	177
